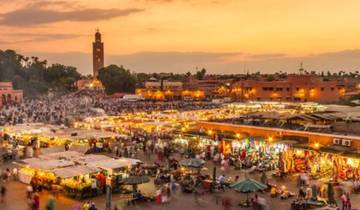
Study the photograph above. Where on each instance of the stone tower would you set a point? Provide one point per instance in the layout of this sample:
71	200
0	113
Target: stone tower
98	54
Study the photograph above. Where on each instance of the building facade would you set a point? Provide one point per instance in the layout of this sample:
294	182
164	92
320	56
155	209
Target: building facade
192	89
211	88
98	54
9	95
295	88
161	90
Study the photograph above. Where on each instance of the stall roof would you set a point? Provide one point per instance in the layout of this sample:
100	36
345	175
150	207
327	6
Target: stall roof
109	164
336	149
91	158
68	155
129	161
352	154
37	163
286	141
52	131
73	171
303	117
324	117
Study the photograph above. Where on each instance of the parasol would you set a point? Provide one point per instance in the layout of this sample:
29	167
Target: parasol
248	185
192	162
135	180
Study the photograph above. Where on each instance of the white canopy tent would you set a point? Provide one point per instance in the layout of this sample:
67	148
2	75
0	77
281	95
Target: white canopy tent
74	171
47	165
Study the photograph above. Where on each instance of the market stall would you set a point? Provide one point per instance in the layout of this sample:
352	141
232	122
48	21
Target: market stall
76	180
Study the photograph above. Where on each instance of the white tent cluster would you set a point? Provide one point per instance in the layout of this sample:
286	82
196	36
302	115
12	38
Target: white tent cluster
71	164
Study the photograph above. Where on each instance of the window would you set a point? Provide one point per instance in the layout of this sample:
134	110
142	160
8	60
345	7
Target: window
287	89
332	88
297	89
322	89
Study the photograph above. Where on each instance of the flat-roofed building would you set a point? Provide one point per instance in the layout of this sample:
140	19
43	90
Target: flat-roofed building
9	95
297	88
161	90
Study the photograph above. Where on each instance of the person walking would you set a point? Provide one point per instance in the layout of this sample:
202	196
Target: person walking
51	203
93	207
86	206
29	191
36	202
30	203
348	204
3	193
343	198
226	203
222	181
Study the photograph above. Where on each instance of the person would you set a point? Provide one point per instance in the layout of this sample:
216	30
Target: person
226	203
86	206
36	202
137	196
3	193
255	203
173	185
158	196
29	191
273	192
237	177
348	204
93	207
51	203
15	173
30	203
222	182
343	198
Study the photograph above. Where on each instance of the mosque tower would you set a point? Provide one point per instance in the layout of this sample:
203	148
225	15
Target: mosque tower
98	54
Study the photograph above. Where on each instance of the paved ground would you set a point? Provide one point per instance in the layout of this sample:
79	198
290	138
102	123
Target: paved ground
16	197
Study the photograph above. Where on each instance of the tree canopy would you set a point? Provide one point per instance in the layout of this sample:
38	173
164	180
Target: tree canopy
33	75
117	79
200	74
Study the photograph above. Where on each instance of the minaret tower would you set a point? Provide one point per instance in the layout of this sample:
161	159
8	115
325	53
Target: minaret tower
98	54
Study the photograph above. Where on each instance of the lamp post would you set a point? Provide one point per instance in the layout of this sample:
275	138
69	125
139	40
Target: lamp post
108	193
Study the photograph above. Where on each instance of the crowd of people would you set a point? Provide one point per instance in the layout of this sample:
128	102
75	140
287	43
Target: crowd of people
63	109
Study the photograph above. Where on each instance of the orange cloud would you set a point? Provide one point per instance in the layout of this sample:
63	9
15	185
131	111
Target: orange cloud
43	12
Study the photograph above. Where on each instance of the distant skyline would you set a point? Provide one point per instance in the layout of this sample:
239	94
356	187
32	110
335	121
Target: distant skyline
224	36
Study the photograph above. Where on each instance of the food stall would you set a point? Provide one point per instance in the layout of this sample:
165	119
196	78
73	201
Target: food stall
76	180
45	135
79	175
41	169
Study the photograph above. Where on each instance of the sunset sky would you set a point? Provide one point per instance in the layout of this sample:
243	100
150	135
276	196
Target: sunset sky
224	36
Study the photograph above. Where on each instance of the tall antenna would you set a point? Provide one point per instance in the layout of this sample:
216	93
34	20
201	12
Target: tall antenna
301	69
